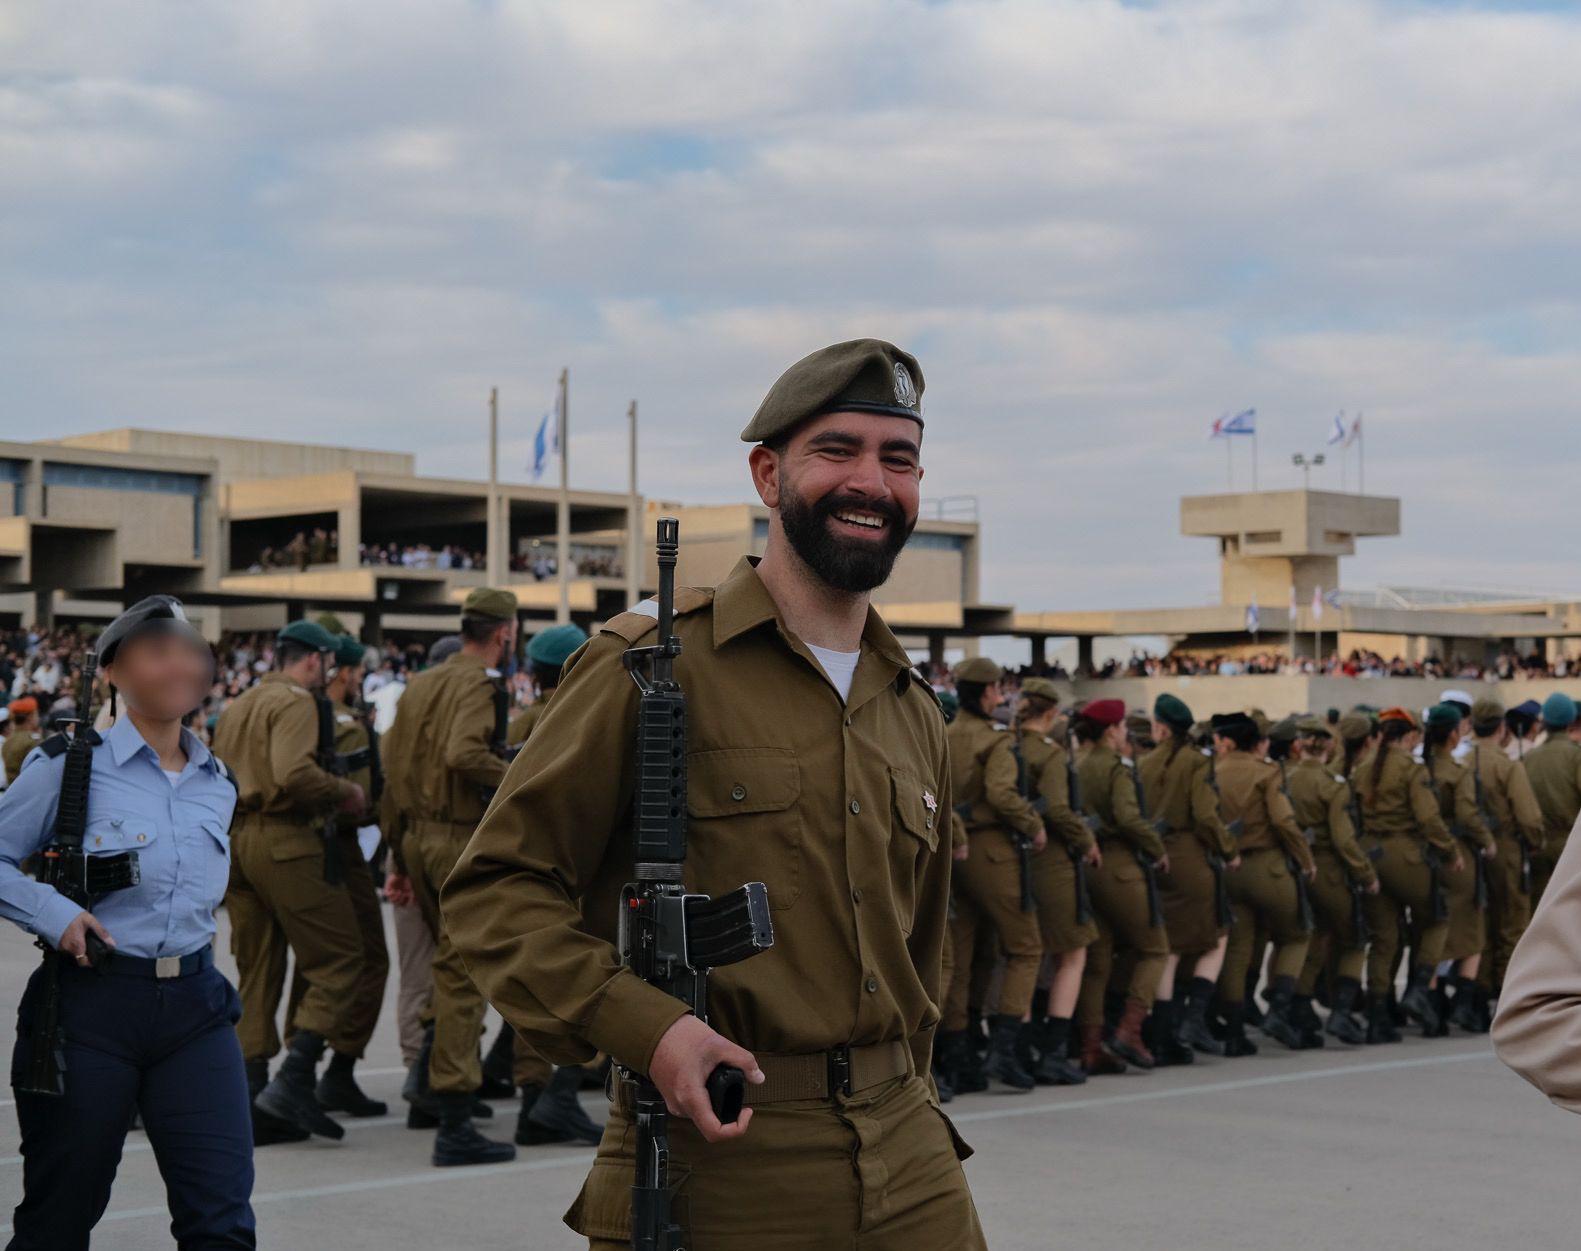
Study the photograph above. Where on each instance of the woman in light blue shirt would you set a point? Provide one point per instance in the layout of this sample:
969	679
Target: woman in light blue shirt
150	1028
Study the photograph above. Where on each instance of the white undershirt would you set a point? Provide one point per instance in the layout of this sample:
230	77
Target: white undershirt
840	666
174	776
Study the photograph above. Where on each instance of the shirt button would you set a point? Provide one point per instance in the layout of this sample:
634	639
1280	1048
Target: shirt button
856	808
857	894
872	985
738	792
142	837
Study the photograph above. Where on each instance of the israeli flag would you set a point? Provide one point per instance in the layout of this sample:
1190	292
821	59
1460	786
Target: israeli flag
1244	422
545	444
1340	434
1252	617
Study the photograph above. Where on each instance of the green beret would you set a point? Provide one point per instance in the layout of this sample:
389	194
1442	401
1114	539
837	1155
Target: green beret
349	651
1559	711
1312	727
1042	688
1172	710
309	634
1283	731
978	669
551	648
1485	710
949	703
862	375
1444	716
490	604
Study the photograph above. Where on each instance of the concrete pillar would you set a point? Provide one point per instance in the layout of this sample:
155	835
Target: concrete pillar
44	606
1084	655
1040	651
348	524
373	627
935	648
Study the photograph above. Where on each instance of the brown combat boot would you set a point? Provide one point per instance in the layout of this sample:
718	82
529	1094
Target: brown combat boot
1094	1058
1127	1044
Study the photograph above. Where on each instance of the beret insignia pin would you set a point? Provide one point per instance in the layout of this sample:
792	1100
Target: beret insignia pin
905	388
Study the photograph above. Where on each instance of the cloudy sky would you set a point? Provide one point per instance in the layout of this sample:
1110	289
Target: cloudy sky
1099	226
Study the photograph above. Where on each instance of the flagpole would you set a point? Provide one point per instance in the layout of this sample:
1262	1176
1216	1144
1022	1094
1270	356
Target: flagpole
1254	453
633	521
494	547
1361	457
562	559
1229	464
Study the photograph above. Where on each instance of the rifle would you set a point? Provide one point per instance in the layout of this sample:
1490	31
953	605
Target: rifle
1149	866
1303	895
498	739
1023	844
1223	907
1361	935
668	937
1478	865
332	762
1093	824
82	879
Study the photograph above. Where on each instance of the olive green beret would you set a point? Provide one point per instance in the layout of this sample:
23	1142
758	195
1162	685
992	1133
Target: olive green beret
1312	726
349	651
309	634
1261	719
330	622
1354	725
1042	688
1283	731
493	605
1443	716
862	375
978	669
551	648
1172	710
1486	709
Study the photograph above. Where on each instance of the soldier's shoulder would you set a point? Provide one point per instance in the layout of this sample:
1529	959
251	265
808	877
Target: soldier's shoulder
914	677
643	620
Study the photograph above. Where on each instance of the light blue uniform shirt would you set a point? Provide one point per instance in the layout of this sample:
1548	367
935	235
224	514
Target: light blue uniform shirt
180	832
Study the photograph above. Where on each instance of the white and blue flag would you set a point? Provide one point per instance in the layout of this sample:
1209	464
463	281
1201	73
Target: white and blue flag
1340	435
1244	422
545	444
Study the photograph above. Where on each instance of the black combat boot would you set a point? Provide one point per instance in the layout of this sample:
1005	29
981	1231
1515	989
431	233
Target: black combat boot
1419	1002
420	1112
1167	1046
960	1061
1003	1063
528	1132
1380	1021
338	1090
1236	1043
557	1110
268	1130
1055	1066
290	1095
458	1141
497	1077
1277	1023
1304	1016
1342	1022
1193	1028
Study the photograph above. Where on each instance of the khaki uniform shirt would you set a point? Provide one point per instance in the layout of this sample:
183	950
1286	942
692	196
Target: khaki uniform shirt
837	807
1176	783
1401	800
1045	766
17	745
521	726
440	744
984	777
1251	791
1507	805
1321	803
1108	791
1554	773
269	737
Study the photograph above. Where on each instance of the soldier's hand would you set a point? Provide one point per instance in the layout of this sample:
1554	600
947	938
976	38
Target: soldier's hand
685	1056
74	938
355	800
1163	864
1310	873
962	852
1490	852
1458	863
1094	856
398	889
1374	886
1233	863
1040	841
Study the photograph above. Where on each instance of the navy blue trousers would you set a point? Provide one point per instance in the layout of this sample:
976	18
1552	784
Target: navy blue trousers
166	1049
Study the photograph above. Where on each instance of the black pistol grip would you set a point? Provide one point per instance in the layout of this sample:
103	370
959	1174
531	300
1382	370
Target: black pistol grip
98	951
727	1092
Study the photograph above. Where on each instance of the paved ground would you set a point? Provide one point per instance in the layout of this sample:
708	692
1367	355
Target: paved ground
1418	1145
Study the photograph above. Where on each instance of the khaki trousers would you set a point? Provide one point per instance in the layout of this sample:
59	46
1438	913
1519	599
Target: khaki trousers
456	1008
1335	934
988	895
1119	901
1264	897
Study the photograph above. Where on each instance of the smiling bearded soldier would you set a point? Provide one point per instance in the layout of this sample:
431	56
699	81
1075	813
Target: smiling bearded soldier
817	764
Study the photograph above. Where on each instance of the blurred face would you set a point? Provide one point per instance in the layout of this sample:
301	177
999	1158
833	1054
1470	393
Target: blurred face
845	491
1115	736
162	676
993	696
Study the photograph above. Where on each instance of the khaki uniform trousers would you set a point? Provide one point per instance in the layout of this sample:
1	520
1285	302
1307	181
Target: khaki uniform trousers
1054	892
1188	896
1119	901
1334	911
875	1171
1263	894
1407	883
1468	931
1509	909
414	953
1543	861
456	1008
278	899
988	896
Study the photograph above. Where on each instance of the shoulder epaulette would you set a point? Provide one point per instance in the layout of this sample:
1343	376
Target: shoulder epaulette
1049	741
224	770
632	626
56	744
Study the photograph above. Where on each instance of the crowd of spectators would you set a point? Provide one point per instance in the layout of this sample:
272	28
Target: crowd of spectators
319	546
1507	666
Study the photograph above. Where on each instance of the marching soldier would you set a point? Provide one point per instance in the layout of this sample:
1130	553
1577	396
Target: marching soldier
1058	879
986	780
1512	804
817	764
1264	890
442	746
1124	893
24	735
1322	802
269	736
1178	782
1555	773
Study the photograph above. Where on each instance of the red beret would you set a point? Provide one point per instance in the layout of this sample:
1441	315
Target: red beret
1104	711
21	707
1398	714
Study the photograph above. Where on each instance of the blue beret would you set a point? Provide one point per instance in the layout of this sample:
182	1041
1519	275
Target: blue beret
1559	711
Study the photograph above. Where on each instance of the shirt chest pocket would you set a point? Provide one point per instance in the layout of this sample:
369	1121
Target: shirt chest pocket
116	834
913	838
745	822
212	842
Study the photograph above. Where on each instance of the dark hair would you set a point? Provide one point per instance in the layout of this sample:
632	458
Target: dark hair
479	629
1244	735
288	651
1031	707
1393	731
1179	736
548	676
1087	730
1434	736
1353	748
1482	729
1279	748
971	696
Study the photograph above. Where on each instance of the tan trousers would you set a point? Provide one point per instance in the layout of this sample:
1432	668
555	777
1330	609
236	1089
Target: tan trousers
414	953
1119	901
1336	924
878	1171
1509	910
988	894
1264	895
1407	883
456	1007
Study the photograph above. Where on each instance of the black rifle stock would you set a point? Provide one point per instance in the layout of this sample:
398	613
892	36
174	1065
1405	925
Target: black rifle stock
334	763
670	938
1223	906
1148	865
80	878
1022	843
1361	935
1077	860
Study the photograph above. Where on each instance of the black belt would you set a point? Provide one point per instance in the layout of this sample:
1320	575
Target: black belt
161	967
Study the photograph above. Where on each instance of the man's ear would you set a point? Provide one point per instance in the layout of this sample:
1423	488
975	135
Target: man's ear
765	466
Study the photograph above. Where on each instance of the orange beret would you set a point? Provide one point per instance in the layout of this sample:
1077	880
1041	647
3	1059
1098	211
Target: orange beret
1398	714
21	707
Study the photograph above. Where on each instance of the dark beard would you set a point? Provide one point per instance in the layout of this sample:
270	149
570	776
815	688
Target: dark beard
853	566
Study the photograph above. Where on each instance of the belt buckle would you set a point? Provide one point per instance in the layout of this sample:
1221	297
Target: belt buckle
840	1071
167	966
